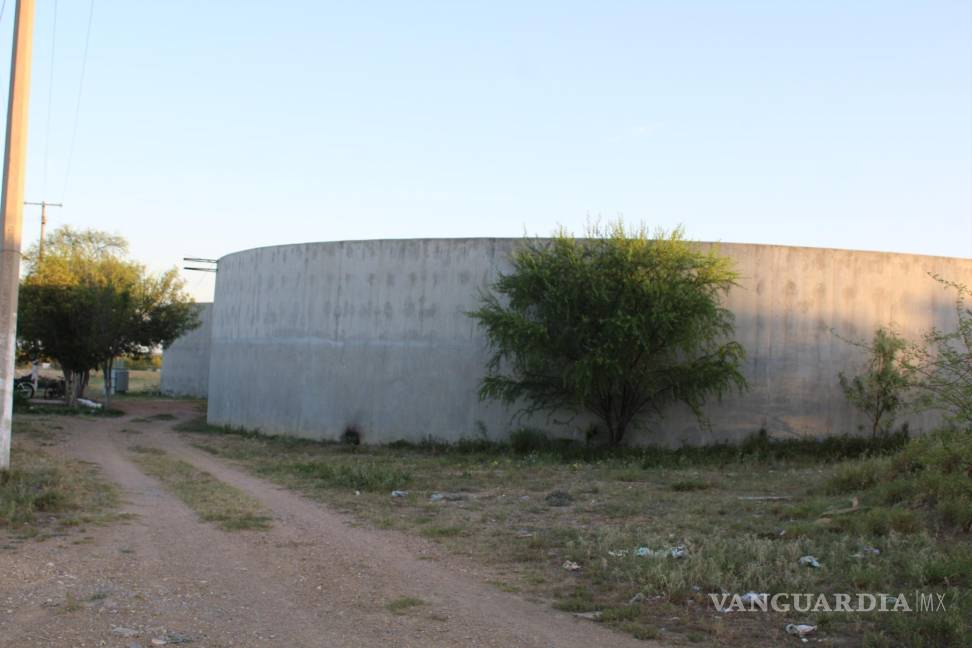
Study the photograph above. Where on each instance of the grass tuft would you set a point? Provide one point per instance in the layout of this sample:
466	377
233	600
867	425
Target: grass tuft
213	500
403	604
39	483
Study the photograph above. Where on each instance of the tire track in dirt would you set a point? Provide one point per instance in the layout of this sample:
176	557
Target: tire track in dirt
311	580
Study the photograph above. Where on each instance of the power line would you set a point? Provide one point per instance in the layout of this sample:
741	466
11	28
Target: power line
77	103
50	101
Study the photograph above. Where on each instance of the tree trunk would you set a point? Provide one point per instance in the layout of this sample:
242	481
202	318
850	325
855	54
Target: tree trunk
615	431
70	387
106	369
83	382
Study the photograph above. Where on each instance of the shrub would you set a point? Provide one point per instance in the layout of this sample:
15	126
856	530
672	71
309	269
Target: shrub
618	325
942	363
931	472
526	440
878	392
351	436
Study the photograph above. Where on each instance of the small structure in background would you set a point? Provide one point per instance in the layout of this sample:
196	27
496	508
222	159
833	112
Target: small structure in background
119	378
185	364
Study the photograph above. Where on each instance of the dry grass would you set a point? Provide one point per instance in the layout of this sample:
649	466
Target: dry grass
139	381
500	518
211	499
45	495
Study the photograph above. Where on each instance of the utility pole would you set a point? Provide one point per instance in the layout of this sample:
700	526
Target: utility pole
43	205
12	212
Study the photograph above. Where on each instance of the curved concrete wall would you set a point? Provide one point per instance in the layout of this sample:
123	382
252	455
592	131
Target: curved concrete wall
185	364
310	339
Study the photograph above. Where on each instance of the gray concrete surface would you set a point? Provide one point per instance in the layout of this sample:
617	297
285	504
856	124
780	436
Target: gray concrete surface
310	339
185	364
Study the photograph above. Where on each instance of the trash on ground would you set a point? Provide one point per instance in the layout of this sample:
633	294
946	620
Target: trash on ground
800	630
751	598
399	493
636	599
810	561
867	551
678	551
89	403
570	565
590	616
617	553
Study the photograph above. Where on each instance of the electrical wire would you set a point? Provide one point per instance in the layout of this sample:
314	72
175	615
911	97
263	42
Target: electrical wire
77	103
50	102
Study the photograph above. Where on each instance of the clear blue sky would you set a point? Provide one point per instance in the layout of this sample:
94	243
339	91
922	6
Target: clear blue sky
209	127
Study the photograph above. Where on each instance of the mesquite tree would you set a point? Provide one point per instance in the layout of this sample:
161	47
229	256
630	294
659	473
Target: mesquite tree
619	325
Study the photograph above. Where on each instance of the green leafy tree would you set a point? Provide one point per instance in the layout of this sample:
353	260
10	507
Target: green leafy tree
879	391
619	325
84	303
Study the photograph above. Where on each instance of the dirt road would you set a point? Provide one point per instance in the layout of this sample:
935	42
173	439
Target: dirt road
311	580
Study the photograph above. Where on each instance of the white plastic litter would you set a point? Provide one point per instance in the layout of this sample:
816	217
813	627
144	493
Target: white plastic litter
617	553
570	565
644	552
867	551
89	403
749	598
810	561
399	493
800	630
